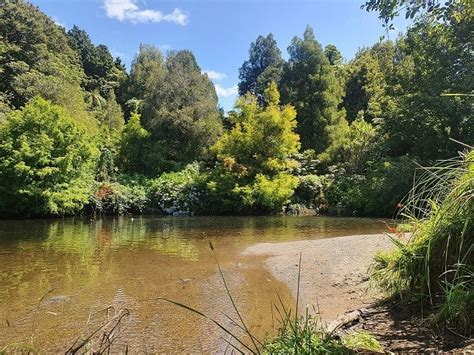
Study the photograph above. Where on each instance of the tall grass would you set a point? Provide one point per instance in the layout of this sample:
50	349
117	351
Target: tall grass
296	334
435	267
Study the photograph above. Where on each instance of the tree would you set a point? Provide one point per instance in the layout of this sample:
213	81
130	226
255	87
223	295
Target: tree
256	154
102	80
110	117
332	54
446	10
310	85
263	66
35	59
132	146
97	62
354	147
147	72
261	140
370	84
181	113
46	162
433	63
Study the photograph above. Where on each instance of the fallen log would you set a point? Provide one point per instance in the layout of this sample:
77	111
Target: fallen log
344	320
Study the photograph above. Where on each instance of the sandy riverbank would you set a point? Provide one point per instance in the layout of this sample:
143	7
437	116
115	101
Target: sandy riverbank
333	272
334	275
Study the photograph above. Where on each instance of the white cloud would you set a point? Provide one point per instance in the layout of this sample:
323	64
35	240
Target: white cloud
58	22
226	92
117	53
128	10
214	75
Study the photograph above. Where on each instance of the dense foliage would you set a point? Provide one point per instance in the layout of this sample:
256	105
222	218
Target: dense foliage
435	266
347	135
178	106
46	162
309	83
265	65
35	59
254	157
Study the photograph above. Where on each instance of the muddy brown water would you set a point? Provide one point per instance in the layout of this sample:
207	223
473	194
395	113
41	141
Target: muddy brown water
58	277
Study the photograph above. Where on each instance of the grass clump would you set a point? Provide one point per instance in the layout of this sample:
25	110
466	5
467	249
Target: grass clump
309	336
362	341
435	267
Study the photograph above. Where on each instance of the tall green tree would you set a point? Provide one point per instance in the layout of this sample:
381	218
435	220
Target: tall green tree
370	82
332	54
133	146
146	74
264	65
101	70
96	61
181	113
46	162
261	140
433	102
310	85
35	59
353	148
102	79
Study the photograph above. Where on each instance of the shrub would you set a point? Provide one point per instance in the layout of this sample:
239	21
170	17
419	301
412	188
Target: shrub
263	195
132	146
436	265
255	157
307	163
271	194
377	193
224	195
46	162
128	195
178	193
352	146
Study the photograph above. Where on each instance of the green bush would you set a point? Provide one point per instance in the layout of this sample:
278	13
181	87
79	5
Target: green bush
129	195
178	193
346	192
307	335
377	193
255	158
132	146
46	162
222	195
307	163
226	195
271	194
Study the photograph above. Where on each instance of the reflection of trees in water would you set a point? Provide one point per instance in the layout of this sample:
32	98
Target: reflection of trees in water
65	252
94	239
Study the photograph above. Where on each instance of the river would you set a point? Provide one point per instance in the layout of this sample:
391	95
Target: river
63	279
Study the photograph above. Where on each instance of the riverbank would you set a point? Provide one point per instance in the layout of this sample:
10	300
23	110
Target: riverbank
334	279
333	271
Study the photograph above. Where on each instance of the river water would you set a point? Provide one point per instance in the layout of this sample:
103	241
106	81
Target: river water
62	280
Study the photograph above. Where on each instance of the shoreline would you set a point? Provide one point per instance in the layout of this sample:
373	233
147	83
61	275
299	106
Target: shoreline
334	279
334	276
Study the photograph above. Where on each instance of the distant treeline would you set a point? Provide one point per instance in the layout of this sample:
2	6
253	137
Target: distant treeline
80	134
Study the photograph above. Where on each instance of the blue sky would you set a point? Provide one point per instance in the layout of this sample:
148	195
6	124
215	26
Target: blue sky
218	32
